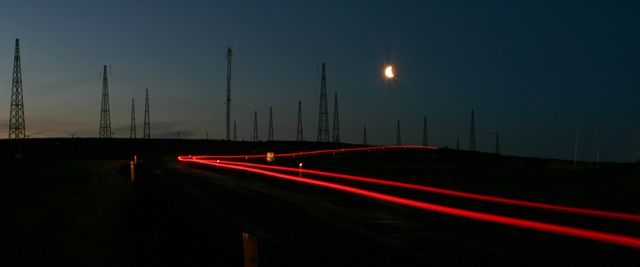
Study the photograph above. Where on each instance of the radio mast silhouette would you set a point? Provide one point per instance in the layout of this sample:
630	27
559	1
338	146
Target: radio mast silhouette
255	126
132	132
299	135
235	133
497	144
472	136
229	57
364	138
270	124
105	113
147	127
16	119
398	143
336	123
425	140
323	122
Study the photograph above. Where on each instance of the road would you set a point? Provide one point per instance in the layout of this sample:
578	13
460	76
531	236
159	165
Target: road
199	213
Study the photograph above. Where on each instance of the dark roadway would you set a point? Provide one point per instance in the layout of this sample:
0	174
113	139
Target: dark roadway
194	214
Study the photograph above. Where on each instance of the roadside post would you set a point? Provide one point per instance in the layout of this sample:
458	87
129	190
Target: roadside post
300	169
250	244
132	171
135	159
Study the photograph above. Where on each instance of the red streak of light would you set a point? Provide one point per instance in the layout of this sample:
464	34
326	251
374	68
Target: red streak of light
618	239
312	152
591	212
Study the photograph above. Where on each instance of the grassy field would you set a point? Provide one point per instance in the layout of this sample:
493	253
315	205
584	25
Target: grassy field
61	212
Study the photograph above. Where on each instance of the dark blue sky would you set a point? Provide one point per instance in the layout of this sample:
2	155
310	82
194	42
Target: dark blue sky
532	71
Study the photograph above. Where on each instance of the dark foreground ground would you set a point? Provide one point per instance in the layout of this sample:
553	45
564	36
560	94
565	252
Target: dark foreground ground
71	211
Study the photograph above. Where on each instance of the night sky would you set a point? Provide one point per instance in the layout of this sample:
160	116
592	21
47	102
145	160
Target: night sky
532	71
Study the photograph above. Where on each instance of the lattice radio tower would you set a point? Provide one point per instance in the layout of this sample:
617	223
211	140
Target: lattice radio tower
270	124
235	133
16	119
229	57
299	136
255	126
398	142
336	123
497	144
105	113
323	122
425	139
147	127
364	138
472	135
132	131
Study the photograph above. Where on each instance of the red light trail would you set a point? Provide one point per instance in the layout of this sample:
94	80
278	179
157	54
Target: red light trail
591	212
619	239
312	152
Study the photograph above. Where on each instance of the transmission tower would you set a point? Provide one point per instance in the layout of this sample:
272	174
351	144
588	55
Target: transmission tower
497	144
105	114
364	138
16	119
235	133
323	122
336	123
270	124
425	139
255	126
229	57
147	127
398	142
299	135
472	136
132	132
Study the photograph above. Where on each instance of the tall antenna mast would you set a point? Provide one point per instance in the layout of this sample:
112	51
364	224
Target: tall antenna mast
255	126
597	147
497	144
16	119
472	135
398	142
425	140
270	124
336	123
132	132
229	57
299	136
235	133
575	155
105	113
323	122
364	138
147	127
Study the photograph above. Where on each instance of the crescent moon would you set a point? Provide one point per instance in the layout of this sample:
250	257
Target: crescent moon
388	72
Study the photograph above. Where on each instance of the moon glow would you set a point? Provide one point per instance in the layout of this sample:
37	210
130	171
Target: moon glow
388	72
